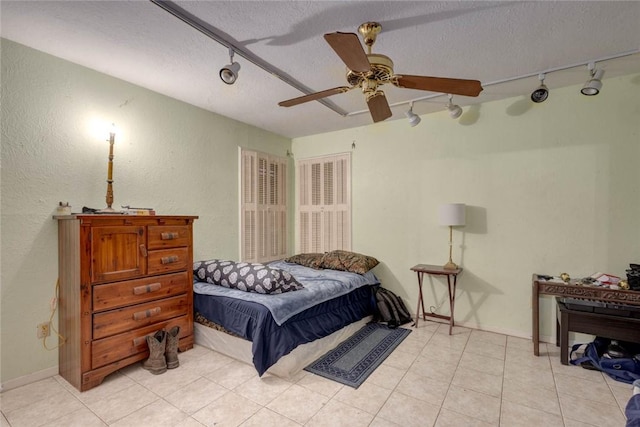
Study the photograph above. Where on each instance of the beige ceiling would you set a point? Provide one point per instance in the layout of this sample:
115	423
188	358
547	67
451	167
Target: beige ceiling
139	42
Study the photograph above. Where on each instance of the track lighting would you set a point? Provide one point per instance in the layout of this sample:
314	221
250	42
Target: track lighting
454	110
541	93
414	119
594	84
229	73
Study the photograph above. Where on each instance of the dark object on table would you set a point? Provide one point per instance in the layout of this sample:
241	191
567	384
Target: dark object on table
633	277
88	210
587	280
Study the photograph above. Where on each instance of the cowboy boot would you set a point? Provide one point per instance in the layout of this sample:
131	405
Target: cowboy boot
156	363
172	347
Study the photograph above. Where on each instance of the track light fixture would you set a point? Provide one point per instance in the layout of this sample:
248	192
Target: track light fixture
454	110
414	119
594	84
229	73
541	93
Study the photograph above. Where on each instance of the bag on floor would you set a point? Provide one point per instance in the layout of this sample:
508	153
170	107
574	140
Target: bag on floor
391	308
618	359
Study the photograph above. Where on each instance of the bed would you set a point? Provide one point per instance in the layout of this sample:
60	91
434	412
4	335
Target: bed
282	332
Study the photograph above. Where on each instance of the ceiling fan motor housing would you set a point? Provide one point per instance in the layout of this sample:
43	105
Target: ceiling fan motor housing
381	71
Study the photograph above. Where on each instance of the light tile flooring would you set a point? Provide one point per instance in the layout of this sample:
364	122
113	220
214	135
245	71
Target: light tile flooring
472	378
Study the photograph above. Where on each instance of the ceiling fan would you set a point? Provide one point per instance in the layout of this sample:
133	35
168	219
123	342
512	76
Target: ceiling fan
369	71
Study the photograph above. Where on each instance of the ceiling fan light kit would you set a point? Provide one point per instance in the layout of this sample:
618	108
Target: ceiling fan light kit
369	71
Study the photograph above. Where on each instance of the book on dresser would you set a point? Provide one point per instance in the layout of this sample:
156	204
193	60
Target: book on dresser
122	277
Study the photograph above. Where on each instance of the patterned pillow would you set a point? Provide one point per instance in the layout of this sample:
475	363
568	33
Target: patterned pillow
348	261
311	260
248	277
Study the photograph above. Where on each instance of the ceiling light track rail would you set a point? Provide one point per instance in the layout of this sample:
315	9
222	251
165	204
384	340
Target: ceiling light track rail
510	79
210	32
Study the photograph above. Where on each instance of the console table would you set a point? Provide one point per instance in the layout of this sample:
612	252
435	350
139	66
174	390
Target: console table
436	270
572	289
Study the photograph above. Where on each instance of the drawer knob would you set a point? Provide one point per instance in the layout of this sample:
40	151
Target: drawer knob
140	315
169	259
169	236
145	289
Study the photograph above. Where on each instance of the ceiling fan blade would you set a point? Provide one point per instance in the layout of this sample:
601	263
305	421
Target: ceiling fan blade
378	106
439	84
349	49
314	96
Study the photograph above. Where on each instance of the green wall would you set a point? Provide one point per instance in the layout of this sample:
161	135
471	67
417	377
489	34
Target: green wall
549	188
168	155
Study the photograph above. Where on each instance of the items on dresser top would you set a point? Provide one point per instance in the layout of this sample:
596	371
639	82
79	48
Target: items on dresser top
121	278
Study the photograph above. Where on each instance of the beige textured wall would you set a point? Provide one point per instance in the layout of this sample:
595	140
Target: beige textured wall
550	188
169	155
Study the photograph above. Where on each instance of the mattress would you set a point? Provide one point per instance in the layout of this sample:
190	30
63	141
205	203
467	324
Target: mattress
270	341
288	365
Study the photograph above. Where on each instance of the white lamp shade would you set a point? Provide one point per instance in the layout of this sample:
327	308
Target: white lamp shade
452	214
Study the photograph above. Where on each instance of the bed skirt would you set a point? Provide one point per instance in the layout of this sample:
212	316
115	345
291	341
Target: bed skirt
288	365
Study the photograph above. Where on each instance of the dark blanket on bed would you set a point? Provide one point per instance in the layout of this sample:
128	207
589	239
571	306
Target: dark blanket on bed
270	342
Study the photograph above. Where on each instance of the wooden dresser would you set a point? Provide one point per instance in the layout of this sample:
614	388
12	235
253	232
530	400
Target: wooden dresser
122	277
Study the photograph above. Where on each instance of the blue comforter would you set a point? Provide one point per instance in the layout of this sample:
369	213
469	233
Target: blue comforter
319	286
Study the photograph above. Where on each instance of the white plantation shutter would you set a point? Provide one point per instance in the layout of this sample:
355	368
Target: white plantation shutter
324	203
248	205
264	207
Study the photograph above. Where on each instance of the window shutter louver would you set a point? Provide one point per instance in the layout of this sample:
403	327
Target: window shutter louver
264	225
303	232
324	203
248	205
316	232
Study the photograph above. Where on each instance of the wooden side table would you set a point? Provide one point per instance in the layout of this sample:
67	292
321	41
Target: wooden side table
436	270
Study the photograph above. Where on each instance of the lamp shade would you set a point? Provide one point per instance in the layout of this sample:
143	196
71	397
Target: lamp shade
452	214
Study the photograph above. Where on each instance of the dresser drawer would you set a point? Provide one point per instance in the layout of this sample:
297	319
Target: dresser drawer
119	294
167	260
124	319
127	344
168	236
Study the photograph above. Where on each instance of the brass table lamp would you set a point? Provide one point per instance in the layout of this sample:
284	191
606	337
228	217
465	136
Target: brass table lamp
451	215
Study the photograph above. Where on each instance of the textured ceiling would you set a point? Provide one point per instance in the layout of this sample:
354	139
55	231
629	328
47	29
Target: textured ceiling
139	42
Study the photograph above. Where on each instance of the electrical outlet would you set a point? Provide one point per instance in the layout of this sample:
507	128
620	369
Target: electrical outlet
43	330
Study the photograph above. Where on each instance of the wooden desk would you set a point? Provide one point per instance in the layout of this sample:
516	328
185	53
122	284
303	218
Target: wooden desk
436	270
604	325
598	293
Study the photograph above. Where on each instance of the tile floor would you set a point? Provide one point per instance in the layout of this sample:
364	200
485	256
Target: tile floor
472	378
